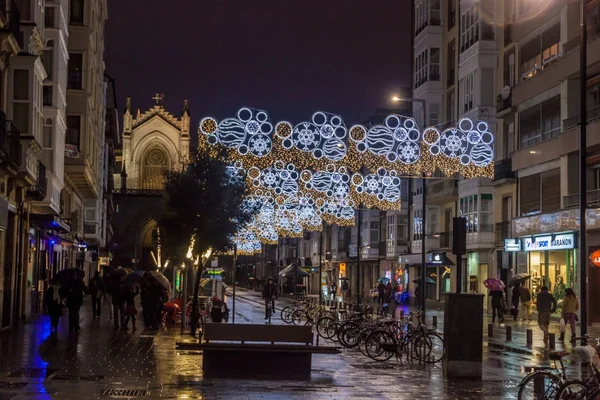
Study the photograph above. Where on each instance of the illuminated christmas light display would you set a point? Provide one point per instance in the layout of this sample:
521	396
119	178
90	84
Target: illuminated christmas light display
319	170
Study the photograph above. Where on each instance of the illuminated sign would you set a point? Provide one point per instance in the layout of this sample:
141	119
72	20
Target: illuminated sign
437	258
104	260
595	258
555	242
512	245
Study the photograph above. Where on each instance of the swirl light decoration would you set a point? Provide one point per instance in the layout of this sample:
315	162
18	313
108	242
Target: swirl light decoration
319	170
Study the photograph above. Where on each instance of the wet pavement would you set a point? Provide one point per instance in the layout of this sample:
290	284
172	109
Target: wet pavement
102	363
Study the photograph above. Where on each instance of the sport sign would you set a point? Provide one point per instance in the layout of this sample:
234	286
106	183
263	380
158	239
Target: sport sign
558	242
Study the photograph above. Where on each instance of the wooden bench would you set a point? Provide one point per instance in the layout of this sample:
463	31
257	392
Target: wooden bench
257	351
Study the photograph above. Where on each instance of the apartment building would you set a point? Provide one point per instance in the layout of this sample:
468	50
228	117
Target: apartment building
515	65
85	139
537	149
455	65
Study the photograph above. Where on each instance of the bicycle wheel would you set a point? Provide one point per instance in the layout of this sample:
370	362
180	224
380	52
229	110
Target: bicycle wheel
299	317
286	315
594	394
380	345
362	340
574	389
540	385
351	336
436	353
342	328
420	346
332	330
322	327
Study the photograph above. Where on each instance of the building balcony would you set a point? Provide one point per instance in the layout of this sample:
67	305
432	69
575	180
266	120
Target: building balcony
483	237
81	173
30	152
9	145
556	71
503	172
445	239
504	106
38	190
573	121
395	247
565	143
503	231
592	198
432	243
443	191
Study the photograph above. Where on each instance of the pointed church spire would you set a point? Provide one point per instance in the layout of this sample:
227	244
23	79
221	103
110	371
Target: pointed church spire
123	178
128	106
186	110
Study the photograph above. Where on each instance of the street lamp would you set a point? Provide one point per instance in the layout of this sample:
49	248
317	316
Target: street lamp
424	202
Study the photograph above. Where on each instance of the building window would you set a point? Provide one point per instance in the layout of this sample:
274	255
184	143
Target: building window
427	66
434	114
49	17
427	12
417	225
469	210
48	94
21	100
374	232
73	136
401	230
540	122
434	64
486	214
450	63
540	52
432	221
468	87
48	61
451	14
48	134
540	193
75	71
24	7
77	12
155	163
469	27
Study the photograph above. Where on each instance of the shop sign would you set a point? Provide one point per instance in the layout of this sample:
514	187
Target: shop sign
437	258
104	260
512	245
556	242
595	258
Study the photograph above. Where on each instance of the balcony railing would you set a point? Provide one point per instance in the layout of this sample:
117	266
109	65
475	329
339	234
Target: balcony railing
139	192
592	197
571	122
503	231
38	191
503	170
502	103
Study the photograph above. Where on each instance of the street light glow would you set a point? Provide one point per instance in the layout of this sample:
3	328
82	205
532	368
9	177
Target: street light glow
396	98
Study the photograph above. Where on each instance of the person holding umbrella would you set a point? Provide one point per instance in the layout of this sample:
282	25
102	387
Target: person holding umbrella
53	304
496	287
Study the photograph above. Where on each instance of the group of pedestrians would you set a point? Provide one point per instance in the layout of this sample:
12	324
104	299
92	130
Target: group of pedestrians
120	293
546	305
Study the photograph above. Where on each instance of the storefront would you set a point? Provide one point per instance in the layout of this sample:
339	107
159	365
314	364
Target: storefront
438	272
549	259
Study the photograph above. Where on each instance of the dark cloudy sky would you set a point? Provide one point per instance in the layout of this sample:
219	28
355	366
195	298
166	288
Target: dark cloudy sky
289	57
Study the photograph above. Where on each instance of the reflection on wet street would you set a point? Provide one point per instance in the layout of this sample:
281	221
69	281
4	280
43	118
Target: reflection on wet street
101	362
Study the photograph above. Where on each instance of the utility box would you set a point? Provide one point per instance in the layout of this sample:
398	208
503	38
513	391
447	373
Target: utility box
463	336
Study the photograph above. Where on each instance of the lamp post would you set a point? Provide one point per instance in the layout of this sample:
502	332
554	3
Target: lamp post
424	209
583	261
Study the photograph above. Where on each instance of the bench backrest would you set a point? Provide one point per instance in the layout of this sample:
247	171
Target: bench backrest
258	333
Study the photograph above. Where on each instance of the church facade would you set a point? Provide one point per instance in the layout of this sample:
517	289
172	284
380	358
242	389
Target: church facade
153	142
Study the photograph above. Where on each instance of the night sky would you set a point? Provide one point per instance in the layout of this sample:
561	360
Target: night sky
288	57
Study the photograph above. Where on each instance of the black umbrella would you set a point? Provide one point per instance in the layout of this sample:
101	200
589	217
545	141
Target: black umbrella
66	275
518	279
427	280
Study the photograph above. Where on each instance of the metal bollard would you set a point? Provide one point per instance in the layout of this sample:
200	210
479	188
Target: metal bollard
552	341
529	337
490	330
435	322
508	333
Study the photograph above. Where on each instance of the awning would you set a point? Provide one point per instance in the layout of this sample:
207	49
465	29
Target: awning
50	222
434	259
